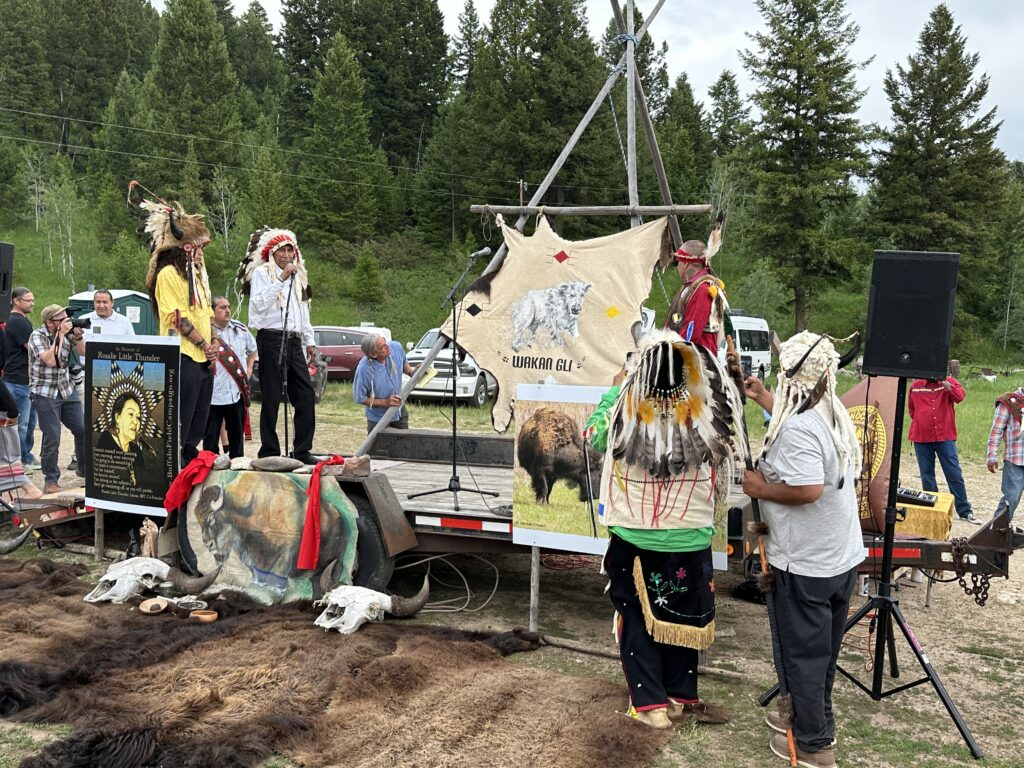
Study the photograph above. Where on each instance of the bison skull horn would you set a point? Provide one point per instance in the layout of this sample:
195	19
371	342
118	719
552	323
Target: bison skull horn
191	585
402	607
12	544
127	578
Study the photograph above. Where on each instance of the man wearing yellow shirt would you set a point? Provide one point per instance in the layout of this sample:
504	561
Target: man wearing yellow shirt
180	292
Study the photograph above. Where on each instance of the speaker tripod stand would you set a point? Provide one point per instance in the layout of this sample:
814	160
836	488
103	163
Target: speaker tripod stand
887	611
454	486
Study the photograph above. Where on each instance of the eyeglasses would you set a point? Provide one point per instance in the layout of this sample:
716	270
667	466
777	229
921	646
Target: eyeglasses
58	319
27	301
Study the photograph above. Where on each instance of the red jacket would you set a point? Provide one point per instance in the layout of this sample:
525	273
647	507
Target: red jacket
931	410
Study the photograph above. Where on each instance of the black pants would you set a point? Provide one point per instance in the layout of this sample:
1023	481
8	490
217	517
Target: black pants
654	671
811	616
232	416
195	390
300	392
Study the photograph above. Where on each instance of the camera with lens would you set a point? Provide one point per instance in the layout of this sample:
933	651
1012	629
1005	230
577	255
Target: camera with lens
78	322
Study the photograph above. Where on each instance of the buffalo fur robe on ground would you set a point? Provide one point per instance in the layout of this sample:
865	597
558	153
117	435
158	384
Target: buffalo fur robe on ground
161	691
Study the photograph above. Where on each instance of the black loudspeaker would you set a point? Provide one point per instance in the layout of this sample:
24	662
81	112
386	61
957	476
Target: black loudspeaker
6	276
910	314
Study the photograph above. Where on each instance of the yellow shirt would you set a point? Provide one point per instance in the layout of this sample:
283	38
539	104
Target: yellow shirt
171	296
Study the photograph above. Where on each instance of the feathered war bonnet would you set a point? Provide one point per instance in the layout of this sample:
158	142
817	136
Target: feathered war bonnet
808	363
263	244
677	410
168	226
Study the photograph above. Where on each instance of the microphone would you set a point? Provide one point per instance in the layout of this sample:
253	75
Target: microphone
482	252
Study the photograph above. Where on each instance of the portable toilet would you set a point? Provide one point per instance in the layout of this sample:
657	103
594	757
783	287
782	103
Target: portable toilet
134	305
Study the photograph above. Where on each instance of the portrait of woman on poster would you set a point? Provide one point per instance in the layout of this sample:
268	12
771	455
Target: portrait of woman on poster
123	435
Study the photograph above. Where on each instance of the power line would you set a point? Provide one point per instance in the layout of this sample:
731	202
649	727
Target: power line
299	152
185	160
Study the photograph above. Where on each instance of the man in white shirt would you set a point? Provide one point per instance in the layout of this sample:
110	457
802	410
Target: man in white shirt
231	373
105	321
805	482
279	313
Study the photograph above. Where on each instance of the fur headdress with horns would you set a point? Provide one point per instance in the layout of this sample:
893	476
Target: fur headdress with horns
263	244
697	251
168	226
677	410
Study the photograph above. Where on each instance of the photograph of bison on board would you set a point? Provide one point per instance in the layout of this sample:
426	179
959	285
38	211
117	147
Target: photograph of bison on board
551	482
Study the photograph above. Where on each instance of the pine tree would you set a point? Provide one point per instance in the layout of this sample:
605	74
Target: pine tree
464	48
687	147
809	140
367	285
257	63
729	121
192	90
25	85
13	194
938	182
89	44
344	172
307	30
267	200
402	49
440	200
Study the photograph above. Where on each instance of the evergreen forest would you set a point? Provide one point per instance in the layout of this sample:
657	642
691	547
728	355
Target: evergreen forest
370	131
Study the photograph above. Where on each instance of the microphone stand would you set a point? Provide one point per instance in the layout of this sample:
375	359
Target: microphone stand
282	358
454	485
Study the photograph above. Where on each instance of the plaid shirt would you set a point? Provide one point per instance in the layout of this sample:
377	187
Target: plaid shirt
43	380
1005	427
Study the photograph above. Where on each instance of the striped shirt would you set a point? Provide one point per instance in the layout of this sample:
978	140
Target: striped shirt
1007	429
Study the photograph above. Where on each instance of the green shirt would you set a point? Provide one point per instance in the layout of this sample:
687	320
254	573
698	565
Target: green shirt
666	539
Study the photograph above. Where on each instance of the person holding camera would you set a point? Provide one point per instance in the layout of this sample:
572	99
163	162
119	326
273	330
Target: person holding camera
53	393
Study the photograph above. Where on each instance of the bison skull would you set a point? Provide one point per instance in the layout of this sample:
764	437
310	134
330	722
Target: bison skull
347	608
133	576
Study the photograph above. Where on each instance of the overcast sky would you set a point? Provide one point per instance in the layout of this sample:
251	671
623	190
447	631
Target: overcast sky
704	37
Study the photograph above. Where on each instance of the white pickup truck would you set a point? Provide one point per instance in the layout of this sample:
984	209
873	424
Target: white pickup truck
471	384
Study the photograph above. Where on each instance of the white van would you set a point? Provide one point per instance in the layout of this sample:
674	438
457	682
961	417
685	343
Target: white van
752	338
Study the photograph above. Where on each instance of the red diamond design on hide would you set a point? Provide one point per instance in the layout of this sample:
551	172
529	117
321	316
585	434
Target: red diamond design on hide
561	257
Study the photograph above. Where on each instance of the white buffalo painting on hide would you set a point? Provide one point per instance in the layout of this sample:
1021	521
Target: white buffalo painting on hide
559	311
554	310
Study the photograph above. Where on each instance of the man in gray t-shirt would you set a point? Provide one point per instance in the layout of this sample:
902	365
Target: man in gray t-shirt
805	482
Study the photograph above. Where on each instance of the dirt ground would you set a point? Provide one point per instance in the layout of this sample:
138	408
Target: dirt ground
978	653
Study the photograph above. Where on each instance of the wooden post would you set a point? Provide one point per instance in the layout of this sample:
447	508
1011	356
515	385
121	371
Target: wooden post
99	536
534	588
634	195
652	140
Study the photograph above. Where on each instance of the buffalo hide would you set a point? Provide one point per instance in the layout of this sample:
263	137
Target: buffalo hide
251	524
152	691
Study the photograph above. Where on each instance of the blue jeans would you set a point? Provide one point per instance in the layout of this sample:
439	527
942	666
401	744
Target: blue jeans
26	420
950	462
1013	486
52	413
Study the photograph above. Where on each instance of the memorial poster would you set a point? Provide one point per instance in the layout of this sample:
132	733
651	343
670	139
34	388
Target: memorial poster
131	385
